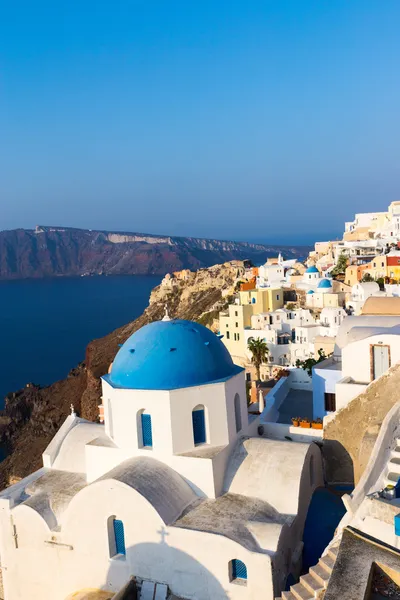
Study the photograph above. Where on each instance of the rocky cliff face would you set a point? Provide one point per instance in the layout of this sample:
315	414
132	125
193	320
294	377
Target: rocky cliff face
33	415
52	251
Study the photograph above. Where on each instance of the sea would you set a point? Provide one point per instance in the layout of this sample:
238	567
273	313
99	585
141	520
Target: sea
46	324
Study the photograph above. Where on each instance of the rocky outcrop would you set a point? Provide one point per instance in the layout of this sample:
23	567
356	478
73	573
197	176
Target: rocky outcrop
56	251
33	414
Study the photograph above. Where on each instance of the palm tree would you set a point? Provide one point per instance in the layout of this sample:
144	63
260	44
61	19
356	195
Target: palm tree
259	351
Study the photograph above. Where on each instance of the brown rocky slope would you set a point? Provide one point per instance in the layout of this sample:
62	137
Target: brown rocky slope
32	416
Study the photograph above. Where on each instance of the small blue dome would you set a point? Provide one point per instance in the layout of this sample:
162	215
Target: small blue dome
325	283
167	355
312	270
310	292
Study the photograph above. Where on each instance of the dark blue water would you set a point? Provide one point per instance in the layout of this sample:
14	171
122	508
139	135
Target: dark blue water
45	325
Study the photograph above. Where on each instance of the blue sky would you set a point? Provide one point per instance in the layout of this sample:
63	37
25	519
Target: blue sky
259	120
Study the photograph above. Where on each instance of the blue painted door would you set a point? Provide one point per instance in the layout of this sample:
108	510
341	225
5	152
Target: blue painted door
119	537
239	570
146	430
199	426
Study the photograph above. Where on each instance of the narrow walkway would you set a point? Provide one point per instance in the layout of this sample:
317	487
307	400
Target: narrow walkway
298	403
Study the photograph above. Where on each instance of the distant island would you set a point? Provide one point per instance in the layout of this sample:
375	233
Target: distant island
63	251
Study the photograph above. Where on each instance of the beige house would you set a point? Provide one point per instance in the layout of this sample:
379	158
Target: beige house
238	316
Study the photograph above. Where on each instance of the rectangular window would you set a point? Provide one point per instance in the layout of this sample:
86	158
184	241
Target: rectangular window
119	537
238	337
330	402
147	433
236	313
277	296
227	335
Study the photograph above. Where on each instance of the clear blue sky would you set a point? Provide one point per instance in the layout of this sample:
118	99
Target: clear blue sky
259	120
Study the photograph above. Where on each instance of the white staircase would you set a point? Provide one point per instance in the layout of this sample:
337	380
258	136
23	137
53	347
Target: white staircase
314	583
393	466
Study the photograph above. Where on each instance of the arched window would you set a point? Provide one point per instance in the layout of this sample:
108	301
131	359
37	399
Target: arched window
116	537
199	425
238	571
145	432
238	415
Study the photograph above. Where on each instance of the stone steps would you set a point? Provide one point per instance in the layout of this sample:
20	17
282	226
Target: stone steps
313	583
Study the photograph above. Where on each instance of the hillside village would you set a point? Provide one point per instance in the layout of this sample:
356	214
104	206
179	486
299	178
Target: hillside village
250	450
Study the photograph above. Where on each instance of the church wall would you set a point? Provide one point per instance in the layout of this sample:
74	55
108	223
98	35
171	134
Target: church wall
183	401
123	421
179	557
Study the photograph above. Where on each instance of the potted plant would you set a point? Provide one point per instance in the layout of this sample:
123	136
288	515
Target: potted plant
296	421
305	423
317	424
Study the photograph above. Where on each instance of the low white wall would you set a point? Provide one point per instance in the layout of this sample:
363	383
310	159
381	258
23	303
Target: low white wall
274	399
281	431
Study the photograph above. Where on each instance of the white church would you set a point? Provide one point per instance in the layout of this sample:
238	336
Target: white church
175	485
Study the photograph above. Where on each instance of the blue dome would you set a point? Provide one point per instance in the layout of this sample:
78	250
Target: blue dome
312	270
167	355
310	292
325	283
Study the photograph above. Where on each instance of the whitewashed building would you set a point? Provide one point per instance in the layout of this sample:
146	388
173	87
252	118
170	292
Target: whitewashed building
175	487
359	294
366	347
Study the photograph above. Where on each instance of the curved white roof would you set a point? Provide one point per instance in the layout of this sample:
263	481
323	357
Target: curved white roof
162	487
252	471
71	455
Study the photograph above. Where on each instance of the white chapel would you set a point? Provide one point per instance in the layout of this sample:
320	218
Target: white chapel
175	485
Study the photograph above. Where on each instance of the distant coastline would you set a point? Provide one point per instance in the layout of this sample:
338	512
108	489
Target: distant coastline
67	252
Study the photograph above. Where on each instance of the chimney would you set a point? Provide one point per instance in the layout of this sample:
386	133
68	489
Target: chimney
101	413
253	392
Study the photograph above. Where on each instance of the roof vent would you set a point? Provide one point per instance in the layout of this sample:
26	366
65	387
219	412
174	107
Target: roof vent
172	349
132	350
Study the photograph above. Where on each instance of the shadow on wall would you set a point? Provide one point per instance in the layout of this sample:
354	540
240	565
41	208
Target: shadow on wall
161	563
337	463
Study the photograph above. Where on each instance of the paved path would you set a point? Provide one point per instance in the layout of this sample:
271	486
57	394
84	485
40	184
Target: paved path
298	403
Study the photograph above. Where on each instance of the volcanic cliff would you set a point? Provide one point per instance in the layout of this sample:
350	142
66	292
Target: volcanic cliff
57	251
33	415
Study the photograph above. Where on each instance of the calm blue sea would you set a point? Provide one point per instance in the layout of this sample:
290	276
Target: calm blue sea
46	324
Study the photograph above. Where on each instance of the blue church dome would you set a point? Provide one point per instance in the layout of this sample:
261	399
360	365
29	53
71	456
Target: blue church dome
325	283
312	270
167	355
310	292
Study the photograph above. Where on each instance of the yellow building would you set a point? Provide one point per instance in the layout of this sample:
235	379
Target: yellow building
377	267
354	274
238	316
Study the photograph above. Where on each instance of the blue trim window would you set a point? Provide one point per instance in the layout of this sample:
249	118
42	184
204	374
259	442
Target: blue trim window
147	434
238	570
119	537
199	426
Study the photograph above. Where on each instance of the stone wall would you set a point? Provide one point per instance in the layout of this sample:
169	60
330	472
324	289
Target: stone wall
350	436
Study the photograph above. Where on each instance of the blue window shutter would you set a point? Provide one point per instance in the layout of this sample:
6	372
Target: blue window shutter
146	430
199	426
239	570
119	537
